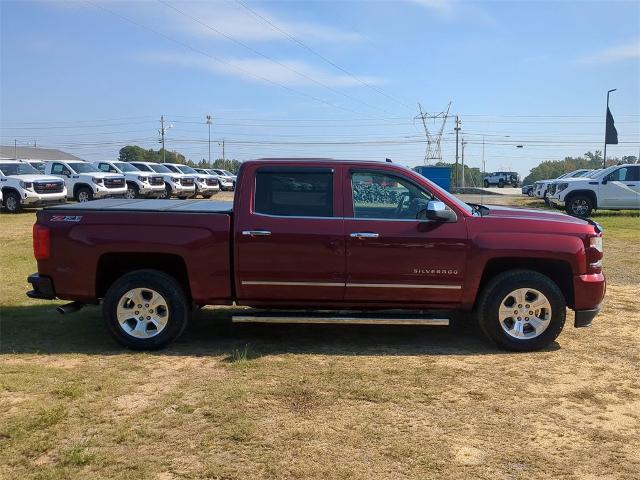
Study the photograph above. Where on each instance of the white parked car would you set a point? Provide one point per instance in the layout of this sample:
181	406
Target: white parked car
22	185
542	186
175	184
85	182
613	188
227	179
139	183
206	185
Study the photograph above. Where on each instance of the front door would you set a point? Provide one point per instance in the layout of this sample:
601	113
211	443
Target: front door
622	188
392	257
290	240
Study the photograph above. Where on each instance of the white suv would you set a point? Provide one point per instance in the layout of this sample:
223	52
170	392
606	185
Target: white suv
22	185
175	184
206	185
541	187
85	182
613	188
227	179
139	183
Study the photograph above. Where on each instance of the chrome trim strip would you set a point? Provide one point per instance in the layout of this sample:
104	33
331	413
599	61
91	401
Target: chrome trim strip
341	284
402	285
297	217
343	320
294	284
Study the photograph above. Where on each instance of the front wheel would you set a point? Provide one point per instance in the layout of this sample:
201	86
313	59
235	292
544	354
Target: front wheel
146	310
12	202
522	310
84	194
486	184
579	206
166	194
530	193
501	184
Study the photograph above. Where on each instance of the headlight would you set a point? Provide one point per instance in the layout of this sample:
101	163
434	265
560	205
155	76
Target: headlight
143	179
97	181
561	186
26	185
175	179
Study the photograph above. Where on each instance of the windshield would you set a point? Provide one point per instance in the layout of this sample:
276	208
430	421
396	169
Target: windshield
160	169
172	168
583	174
18	169
126	167
38	166
593	173
83	167
442	193
227	172
186	169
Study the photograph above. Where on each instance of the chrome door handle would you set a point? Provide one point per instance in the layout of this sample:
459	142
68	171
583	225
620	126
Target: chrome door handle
364	235
256	233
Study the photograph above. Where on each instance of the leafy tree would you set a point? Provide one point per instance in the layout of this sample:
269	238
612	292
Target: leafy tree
134	153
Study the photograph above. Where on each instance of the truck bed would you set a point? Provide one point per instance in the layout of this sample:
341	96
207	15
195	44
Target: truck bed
151	205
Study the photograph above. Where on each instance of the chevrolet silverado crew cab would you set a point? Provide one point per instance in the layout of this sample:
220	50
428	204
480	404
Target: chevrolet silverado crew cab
85	182
322	241
139	184
613	188
206	185
175	184
24	186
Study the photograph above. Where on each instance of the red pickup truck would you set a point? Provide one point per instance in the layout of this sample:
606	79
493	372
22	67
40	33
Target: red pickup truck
319	240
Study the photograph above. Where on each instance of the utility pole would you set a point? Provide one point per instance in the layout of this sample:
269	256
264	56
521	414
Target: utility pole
457	129
463	142
606	115
222	143
15	148
162	136
209	122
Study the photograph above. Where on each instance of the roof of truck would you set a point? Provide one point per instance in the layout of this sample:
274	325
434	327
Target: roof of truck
142	205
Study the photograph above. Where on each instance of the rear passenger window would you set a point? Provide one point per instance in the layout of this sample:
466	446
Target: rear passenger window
294	193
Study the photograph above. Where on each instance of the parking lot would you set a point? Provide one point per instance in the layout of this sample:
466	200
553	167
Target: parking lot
312	401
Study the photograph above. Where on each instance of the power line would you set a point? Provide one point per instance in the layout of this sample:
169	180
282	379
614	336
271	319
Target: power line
271	59
319	55
220	60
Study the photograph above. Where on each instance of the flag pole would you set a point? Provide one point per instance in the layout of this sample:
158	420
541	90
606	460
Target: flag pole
606	114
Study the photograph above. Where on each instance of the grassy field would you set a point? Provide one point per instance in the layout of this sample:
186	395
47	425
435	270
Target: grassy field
246	401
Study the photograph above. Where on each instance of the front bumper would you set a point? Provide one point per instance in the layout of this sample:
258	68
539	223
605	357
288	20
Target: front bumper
35	200
42	287
588	295
152	191
103	192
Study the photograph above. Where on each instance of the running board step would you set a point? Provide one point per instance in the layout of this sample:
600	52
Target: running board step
342	319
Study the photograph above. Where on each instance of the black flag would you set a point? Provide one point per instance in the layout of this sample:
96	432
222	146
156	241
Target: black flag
611	136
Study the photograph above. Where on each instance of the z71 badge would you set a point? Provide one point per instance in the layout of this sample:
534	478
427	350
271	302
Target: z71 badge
66	218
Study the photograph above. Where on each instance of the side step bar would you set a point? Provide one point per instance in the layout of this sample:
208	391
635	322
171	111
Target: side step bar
357	320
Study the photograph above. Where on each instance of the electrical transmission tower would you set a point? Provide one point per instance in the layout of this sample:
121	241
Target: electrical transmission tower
434	136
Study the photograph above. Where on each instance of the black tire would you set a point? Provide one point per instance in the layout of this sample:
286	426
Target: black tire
84	194
12	202
500	183
499	288
132	191
530	193
578	205
178	308
208	195
486	184
167	192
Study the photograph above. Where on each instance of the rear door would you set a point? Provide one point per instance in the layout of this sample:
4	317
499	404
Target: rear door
393	258
290	236
621	189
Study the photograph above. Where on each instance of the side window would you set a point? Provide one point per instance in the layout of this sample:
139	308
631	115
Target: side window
104	167
379	195
58	169
624	174
294	193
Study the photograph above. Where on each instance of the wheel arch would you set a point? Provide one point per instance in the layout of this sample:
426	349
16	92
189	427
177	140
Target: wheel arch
78	186
112	266
589	193
557	270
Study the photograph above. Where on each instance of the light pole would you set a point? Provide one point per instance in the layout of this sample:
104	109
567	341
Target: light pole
606	115
209	122
222	143
162	132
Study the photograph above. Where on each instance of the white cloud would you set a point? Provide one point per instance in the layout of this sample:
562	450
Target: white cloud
618	53
261	70
234	20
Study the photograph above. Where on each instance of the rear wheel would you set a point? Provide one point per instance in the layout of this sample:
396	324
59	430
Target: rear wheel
522	310
486	184
146	310
579	206
500	183
530	193
12	202
84	194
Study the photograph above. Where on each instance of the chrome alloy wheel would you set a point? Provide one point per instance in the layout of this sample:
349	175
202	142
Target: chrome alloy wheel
142	313
83	196
131	193
579	207
525	313
11	203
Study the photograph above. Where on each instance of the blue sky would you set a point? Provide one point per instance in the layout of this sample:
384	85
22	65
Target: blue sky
325	78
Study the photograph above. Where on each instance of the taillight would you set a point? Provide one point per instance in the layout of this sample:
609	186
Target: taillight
41	242
594	255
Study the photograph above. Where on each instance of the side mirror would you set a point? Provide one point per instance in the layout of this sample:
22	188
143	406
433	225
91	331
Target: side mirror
605	180
437	211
